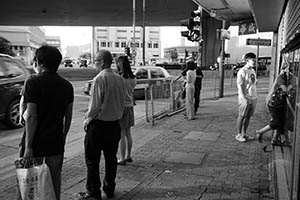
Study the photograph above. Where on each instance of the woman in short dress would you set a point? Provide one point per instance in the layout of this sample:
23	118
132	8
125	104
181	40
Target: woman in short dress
127	119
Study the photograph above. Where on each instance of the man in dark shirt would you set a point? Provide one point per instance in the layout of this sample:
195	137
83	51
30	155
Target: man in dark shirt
49	100
198	86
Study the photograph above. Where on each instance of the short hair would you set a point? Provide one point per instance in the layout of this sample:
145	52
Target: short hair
49	56
249	55
191	65
104	55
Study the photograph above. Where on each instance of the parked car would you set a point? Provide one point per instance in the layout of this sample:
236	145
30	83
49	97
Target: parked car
13	74
146	76
83	63
68	62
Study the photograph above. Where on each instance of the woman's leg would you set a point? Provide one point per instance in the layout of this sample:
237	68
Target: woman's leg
129	142
264	129
122	144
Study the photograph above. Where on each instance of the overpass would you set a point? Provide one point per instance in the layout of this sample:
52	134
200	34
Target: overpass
119	12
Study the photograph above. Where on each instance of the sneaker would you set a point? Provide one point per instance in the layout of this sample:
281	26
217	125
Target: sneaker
248	137
259	137
86	196
240	138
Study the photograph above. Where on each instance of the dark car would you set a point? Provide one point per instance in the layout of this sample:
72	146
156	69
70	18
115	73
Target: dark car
68	62
13	74
83	63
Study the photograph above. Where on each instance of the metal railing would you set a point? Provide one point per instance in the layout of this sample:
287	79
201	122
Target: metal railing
162	99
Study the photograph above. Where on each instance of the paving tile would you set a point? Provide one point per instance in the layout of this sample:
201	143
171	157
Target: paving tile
201	135
183	157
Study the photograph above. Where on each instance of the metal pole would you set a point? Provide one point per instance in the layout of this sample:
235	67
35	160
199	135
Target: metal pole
144	45
257	56
221	65
152	104
133	27
93	45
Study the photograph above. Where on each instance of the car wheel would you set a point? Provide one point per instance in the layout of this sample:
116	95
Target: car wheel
12	114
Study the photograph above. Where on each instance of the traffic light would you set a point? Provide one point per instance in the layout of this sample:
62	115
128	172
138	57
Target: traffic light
127	51
193	25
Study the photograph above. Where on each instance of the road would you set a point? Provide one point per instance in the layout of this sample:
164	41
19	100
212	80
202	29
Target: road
9	139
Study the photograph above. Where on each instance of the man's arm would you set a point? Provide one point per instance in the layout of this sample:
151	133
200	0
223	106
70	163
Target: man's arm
94	104
31	125
68	119
22	109
239	83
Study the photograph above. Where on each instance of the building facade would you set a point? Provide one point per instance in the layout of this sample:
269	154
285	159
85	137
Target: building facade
115	39
24	40
54	41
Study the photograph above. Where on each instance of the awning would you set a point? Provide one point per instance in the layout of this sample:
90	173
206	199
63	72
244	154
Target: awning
292	44
267	13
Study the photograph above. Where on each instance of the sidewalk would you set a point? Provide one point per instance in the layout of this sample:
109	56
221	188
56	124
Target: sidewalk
185	160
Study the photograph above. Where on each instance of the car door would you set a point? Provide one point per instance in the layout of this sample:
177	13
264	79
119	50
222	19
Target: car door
142	76
12	78
157	76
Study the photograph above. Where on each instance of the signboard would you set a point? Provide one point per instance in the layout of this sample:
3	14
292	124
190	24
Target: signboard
260	42
247	28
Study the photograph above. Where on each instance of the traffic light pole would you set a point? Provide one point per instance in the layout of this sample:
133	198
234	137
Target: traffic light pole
133	27
144	31
221	65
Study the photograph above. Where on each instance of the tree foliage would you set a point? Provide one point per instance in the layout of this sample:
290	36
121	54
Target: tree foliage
86	55
5	47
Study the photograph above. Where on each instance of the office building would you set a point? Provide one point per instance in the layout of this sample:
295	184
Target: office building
24	40
115	39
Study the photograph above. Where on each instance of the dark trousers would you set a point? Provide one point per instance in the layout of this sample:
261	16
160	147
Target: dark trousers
101	136
197	98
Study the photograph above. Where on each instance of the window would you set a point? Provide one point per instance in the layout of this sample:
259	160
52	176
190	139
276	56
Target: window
154	31
142	74
155	45
98	46
123	44
10	70
122	38
122	31
157	73
101	37
101	30
117	44
149	45
103	44
109	44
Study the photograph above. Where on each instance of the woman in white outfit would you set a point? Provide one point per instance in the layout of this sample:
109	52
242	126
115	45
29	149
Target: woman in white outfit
190	90
127	119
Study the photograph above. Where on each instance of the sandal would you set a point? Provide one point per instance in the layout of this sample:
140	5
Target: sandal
128	159
276	143
287	143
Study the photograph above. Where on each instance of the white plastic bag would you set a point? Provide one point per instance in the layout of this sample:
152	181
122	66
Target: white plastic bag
35	182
